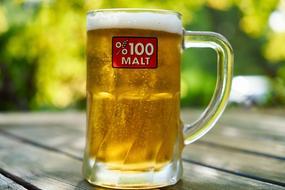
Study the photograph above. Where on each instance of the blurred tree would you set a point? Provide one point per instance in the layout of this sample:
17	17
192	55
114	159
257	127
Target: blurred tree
17	67
42	47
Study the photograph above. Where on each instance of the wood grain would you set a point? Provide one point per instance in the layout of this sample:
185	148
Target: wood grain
47	169
70	140
46	149
8	184
256	132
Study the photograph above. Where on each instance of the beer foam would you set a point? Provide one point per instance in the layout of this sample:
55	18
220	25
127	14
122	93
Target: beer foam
135	20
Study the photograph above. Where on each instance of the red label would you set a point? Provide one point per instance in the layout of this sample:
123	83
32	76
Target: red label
134	52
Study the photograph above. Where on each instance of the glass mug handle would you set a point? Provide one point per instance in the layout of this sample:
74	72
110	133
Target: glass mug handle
212	113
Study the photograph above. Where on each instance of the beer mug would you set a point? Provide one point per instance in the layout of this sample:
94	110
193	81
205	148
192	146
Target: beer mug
135	136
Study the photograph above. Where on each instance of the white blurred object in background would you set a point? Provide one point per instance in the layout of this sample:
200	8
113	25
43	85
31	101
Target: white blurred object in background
250	90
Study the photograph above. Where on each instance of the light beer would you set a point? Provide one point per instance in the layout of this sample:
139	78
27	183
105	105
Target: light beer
133	113
134	132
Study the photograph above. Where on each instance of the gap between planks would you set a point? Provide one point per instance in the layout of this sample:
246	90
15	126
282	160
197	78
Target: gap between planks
18	180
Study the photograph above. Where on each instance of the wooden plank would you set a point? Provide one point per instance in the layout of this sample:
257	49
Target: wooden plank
44	169
255	132
245	118
230	137
47	169
8	184
39	118
68	139
236	161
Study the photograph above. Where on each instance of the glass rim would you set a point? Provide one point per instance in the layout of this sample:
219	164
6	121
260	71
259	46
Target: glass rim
136	10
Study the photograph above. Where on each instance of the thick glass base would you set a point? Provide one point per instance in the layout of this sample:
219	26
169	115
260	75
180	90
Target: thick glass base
98	174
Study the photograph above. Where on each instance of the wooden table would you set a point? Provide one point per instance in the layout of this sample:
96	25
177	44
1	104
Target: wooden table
246	150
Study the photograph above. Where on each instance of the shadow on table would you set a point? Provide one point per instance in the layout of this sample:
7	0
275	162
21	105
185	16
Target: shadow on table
181	185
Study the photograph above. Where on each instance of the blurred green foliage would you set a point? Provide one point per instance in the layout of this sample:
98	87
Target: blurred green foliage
42	48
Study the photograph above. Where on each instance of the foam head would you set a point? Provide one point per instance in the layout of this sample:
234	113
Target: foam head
152	20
